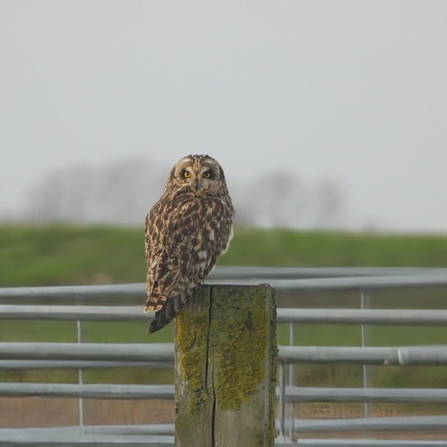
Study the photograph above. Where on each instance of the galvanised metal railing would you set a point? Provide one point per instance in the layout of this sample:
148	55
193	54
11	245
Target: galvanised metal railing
80	303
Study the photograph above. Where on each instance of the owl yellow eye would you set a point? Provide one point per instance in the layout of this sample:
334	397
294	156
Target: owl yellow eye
186	174
206	174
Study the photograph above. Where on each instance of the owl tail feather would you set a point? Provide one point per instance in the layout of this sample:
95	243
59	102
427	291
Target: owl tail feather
167	313
154	303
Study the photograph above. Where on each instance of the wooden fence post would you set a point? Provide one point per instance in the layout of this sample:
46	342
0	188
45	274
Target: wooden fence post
225	368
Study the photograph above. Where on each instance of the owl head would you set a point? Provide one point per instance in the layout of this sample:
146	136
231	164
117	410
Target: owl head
200	173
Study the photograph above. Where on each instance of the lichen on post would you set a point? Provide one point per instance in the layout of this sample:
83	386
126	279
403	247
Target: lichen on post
226	368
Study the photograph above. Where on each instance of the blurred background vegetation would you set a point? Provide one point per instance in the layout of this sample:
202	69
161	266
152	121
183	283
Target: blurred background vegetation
61	254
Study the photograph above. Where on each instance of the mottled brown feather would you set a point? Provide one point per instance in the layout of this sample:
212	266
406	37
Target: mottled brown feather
186	232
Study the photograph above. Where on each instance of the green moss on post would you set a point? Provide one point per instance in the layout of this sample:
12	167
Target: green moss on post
193	406
226	368
192	347
239	343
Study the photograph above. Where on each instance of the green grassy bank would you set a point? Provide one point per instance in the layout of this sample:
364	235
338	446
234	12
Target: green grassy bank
55	255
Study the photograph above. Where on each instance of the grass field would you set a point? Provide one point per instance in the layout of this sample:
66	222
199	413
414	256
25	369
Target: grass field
56	255
59	254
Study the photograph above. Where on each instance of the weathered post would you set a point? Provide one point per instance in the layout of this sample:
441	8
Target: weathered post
225	368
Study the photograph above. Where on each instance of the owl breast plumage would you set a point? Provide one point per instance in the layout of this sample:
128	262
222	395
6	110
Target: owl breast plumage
186	232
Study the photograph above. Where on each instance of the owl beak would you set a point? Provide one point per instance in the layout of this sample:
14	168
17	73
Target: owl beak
196	185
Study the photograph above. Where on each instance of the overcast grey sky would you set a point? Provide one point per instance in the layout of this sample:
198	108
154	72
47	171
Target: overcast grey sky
354	91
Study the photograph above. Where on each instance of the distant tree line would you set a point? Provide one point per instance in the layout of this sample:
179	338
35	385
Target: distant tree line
122	192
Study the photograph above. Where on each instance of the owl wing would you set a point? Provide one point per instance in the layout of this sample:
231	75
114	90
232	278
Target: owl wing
183	244
167	248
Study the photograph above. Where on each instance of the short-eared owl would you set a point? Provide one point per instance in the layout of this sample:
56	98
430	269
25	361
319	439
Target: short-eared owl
186	232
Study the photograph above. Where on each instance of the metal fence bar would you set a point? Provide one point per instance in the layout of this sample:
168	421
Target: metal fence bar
282	400
164	352
114	293
107	441
109	293
73	313
159	352
358	283
168	441
119	430
366	443
148	435
80	376
409	423
91	391
392	395
291	374
75	364
291	394
310	316
363	316
89	441
245	272
365	304
414	355
412	423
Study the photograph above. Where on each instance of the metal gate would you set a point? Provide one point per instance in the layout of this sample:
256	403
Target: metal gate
123	303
